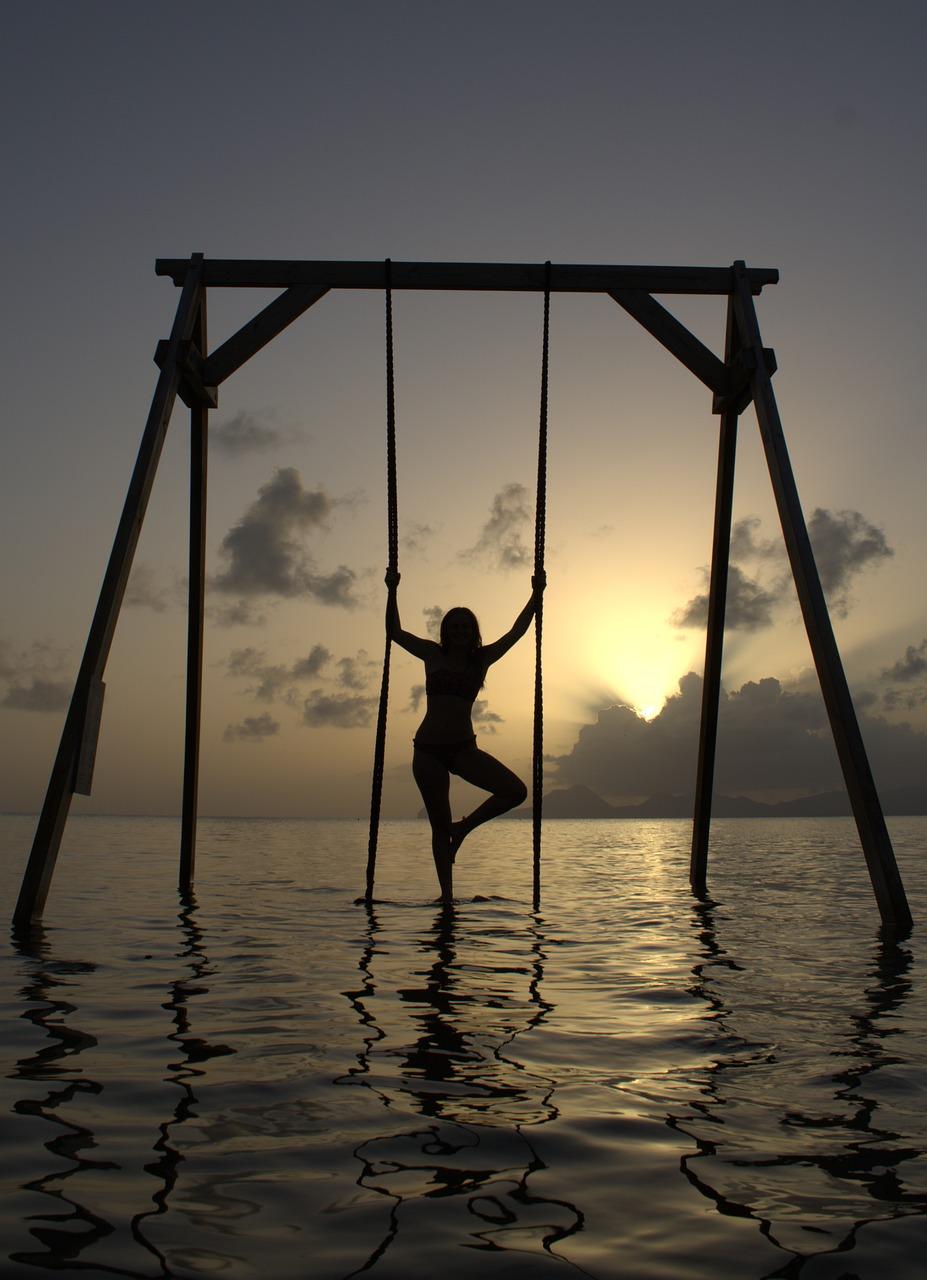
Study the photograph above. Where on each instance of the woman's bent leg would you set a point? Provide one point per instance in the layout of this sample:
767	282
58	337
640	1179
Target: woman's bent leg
485	771
434	783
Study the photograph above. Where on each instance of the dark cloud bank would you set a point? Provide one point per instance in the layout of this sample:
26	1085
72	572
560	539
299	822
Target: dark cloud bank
770	738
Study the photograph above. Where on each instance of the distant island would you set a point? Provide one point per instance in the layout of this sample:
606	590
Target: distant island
582	802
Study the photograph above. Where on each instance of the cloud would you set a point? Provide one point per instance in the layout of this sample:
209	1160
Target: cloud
433	615
309	667
844	543
416	694
333	588
417	537
34	677
243	434
500	542
904	699
38	695
252	729
275	680
143	591
769	738
8	665
264	554
749	606
338	710
484	719
355	673
911	667
272	678
239	613
746	547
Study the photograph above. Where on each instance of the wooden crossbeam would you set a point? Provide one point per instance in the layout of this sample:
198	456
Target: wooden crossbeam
254	335
677	339
256	273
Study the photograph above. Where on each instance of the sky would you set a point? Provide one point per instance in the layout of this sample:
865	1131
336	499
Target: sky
790	136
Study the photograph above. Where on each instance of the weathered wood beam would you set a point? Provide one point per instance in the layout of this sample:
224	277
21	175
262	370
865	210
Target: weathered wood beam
504	276
45	846
714	633
192	390
677	339
90	736
741	381
864	798
254	335
196	595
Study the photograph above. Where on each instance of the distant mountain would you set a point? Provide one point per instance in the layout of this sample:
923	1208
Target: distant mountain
582	802
577	802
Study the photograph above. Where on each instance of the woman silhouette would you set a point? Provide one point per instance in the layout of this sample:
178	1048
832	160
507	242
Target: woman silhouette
445	743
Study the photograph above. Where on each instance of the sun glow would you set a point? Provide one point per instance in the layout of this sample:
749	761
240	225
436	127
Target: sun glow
640	661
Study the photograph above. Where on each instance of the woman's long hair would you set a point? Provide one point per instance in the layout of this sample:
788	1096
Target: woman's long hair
476	643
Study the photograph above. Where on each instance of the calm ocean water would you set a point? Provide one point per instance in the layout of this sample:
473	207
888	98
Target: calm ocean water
275	1082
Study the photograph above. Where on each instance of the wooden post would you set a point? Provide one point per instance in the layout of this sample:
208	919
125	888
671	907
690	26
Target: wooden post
864	799
714	643
196	592
42	859
714	639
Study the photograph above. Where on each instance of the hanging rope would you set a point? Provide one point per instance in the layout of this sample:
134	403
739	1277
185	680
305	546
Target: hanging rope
540	530
392	538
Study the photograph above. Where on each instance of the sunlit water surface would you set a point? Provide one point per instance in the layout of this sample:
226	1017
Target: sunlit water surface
273	1081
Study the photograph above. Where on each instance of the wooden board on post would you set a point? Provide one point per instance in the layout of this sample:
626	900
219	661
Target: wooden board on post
86	759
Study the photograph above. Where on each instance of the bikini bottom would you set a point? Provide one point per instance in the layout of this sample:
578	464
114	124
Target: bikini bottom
446	753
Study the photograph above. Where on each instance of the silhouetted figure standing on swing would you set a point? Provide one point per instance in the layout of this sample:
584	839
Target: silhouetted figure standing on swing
445	743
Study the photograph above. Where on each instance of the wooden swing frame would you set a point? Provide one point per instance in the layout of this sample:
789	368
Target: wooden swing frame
189	370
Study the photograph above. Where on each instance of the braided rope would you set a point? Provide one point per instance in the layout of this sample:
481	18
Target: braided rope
392	538
540	531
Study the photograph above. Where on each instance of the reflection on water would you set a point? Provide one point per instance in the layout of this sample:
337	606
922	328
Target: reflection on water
65	1236
841	1166
183	1072
458	1067
632	1084
67	1228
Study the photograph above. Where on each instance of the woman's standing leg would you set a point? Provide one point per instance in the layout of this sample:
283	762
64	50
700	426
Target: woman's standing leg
433	782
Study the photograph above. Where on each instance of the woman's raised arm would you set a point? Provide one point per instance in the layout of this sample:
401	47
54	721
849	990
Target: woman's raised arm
493	652
416	645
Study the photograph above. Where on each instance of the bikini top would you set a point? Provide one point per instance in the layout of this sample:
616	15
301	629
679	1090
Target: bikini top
458	684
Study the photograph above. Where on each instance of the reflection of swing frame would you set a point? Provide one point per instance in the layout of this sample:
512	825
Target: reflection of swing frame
188	370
